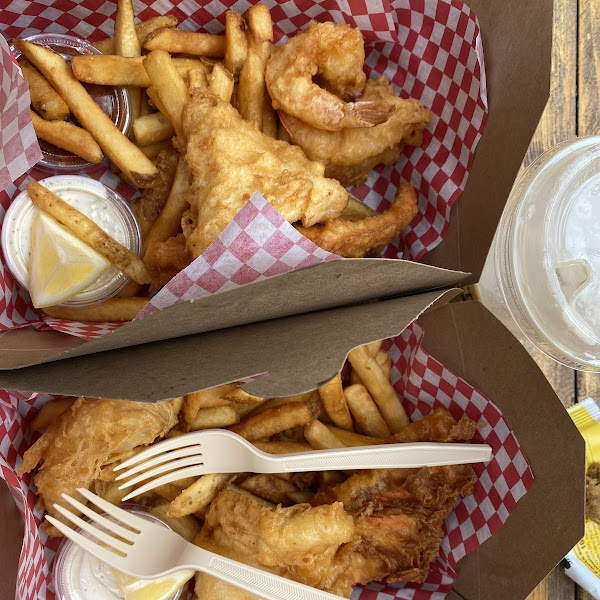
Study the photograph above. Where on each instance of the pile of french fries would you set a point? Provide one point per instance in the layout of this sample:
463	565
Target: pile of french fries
160	65
365	412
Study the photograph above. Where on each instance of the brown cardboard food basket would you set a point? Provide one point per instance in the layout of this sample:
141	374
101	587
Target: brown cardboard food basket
269	327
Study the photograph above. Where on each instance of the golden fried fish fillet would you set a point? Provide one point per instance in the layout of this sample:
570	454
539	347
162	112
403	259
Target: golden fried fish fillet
85	438
357	238
230	159
376	524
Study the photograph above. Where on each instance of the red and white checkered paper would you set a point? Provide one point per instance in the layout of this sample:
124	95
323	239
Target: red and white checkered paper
423	383
19	149
430	49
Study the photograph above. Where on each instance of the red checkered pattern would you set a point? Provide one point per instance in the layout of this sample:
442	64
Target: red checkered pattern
430	49
257	243
19	149
424	384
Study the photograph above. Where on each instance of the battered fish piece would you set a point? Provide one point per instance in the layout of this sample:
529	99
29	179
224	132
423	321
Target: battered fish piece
356	239
230	159
91	434
385	523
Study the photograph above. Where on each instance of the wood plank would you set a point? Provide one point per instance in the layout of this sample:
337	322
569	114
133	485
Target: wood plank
589	68
588	386
557	586
559	121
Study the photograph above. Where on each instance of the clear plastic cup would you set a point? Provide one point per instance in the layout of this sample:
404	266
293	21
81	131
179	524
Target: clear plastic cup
547	253
98	202
77	575
114	101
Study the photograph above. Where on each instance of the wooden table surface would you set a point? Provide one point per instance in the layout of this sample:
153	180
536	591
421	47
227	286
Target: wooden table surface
573	110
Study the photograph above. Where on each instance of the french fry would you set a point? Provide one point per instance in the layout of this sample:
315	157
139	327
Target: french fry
176	404
330	477
270	487
238	490
153	128
299	497
143	30
311	399
69	137
126	39
368	419
156	101
145	108
169	86
280	447
186	526
120	70
153	150
260	25
236	44
356	210
44	99
126	155
220	83
350	438
380	388
385	362
373	348
251	88
332	397
273	420
210	398
242	397
113	309
243	409
218	416
168	491
199	495
269	119
354	378
186	42
90	233
197	78
109	491
321	438
168	222
50	412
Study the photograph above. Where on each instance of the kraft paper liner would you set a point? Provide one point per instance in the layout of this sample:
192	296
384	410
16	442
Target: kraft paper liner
421	381
430	50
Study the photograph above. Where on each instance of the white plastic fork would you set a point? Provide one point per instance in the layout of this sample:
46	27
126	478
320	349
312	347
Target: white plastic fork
222	451
147	550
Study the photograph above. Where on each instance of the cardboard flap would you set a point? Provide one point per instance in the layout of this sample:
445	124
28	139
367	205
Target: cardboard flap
549	520
319	287
518	81
294	354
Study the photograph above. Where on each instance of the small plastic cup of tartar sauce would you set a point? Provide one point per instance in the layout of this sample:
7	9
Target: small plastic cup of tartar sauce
102	205
77	575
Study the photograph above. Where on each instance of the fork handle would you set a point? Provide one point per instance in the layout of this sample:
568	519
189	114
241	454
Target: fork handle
405	455
263	584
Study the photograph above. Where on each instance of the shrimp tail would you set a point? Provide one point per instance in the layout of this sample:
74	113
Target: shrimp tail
365	113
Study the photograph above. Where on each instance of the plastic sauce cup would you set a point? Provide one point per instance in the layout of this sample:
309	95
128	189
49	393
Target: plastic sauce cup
547	253
78	575
101	204
114	101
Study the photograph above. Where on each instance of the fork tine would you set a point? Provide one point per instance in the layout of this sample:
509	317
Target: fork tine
168	478
172	444
86	526
127	518
105	554
106	523
161	458
176	464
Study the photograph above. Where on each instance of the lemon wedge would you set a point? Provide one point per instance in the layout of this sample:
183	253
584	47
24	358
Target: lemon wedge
60	265
151	589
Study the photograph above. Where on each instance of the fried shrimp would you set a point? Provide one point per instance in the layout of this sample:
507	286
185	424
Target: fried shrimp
356	239
362	147
333	54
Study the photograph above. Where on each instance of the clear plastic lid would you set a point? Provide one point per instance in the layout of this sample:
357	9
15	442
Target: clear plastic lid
548	259
114	101
101	204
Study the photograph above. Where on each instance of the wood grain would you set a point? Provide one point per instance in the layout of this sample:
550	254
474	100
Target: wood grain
588	122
